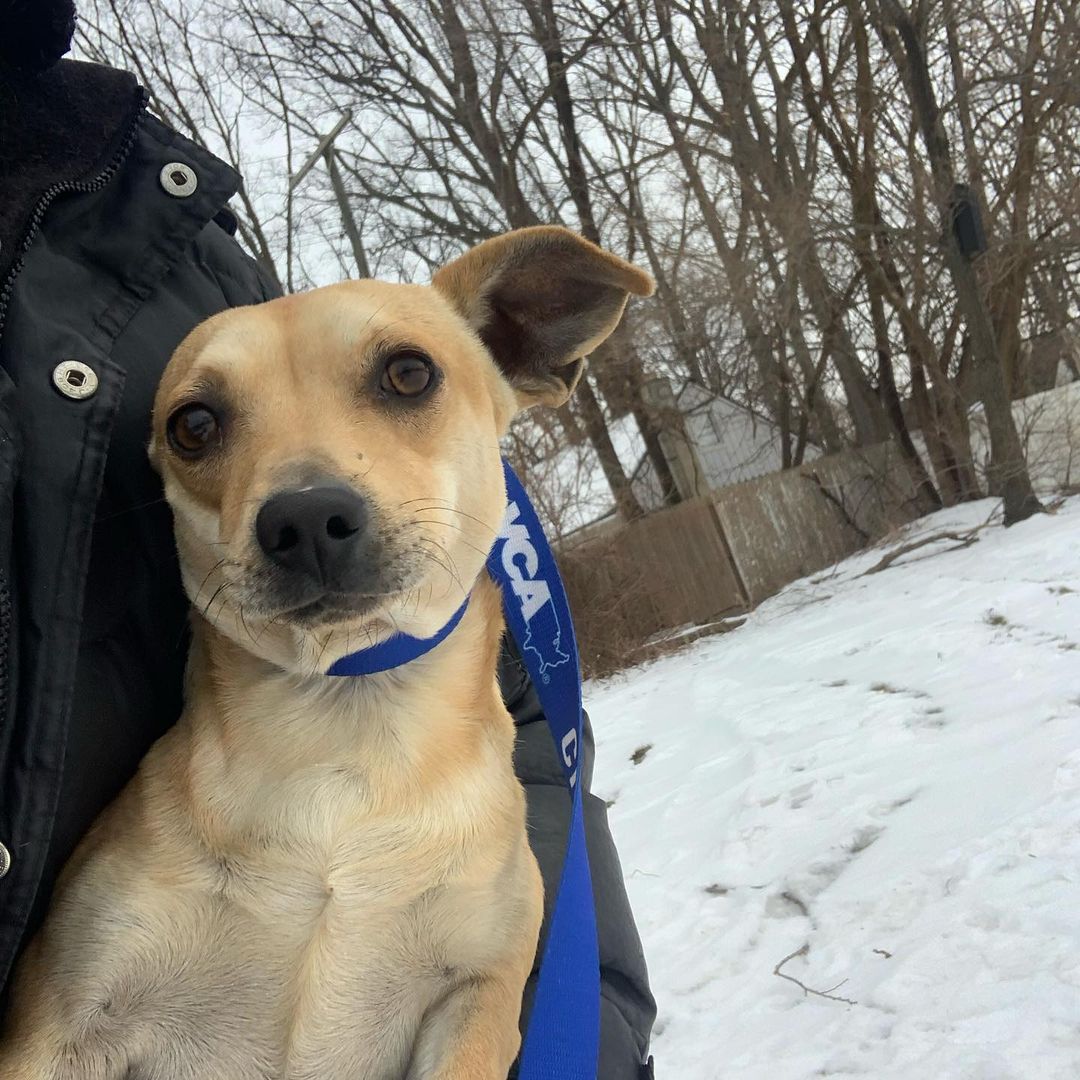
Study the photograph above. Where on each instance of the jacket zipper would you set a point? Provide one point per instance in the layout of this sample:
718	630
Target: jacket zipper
63	188
50	193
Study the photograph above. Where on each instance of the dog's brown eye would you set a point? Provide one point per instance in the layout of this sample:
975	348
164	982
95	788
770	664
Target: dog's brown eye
193	429
407	374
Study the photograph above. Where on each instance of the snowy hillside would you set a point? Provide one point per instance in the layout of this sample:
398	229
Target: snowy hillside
883	768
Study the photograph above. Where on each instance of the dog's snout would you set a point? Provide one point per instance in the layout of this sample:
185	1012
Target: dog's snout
313	531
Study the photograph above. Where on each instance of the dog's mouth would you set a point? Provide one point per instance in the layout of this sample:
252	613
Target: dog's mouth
333	609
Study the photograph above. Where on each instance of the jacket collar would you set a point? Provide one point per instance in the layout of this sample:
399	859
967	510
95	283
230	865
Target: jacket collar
60	128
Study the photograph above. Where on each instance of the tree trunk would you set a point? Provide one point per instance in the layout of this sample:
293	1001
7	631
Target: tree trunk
622	394
626	502
348	221
891	397
1008	470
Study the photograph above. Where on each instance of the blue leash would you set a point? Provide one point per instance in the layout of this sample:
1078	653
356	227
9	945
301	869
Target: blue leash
562	1041
563	1038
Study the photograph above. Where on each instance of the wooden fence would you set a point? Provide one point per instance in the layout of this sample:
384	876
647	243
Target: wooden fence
715	556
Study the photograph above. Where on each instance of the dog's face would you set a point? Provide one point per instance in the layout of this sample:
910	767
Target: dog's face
332	458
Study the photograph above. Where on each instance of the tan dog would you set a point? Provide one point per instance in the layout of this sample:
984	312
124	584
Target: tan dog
310	877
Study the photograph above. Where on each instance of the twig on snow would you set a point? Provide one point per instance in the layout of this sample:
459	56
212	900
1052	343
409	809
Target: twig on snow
802	986
961	540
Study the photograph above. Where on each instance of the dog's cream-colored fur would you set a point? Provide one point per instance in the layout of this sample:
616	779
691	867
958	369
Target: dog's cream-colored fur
309	877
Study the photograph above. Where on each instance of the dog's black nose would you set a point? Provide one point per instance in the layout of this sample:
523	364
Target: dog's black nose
314	531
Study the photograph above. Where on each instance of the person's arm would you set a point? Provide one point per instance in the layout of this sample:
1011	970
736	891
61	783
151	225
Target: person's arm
627	1009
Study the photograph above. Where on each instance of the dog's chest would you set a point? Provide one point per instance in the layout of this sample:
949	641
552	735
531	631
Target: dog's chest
362	919
328	833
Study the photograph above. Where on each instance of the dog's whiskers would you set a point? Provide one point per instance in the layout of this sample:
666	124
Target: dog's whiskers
451	525
217	592
448	566
447	509
210	573
267	625
325	645
130	509
431	591
244	623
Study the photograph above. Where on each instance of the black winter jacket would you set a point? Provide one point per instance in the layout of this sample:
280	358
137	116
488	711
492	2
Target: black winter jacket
101	265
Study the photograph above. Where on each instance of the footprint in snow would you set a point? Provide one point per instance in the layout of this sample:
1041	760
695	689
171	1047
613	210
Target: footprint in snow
819	875
932	717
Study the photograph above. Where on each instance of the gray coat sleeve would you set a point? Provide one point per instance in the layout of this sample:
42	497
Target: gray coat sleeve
627	1009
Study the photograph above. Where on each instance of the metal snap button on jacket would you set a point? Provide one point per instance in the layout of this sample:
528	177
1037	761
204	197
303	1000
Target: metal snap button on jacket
75	379
178	179
5	860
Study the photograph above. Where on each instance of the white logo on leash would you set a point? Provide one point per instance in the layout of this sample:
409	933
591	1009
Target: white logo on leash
521	563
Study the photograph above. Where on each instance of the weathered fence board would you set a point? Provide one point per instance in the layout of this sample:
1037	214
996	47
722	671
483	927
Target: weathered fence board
789	524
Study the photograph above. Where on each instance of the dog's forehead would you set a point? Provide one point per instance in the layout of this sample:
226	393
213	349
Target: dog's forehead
335	322
352	314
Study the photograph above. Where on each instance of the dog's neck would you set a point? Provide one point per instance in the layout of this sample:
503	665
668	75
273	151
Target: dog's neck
404	729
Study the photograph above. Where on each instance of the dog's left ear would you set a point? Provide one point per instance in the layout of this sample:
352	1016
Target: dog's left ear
541	300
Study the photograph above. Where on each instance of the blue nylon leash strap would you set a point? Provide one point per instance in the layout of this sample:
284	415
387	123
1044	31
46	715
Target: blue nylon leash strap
562	1041
563	1038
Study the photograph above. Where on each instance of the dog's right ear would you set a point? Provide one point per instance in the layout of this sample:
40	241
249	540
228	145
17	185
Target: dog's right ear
541	300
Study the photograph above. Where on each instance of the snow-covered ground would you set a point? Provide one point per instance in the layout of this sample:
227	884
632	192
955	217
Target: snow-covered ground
883	768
